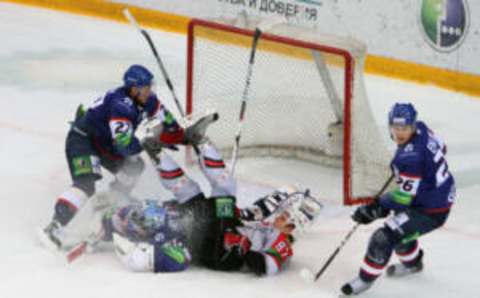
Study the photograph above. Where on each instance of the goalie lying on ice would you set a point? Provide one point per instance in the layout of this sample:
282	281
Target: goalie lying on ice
210	232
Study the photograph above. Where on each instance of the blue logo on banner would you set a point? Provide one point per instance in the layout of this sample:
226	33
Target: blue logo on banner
445	23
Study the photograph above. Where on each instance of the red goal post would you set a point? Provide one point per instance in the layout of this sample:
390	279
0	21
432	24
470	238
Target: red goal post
223	40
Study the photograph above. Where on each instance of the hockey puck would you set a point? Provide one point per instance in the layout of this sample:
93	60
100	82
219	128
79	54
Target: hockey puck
307	275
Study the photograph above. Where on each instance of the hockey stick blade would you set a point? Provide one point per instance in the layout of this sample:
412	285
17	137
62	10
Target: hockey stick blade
268	23
76	252
131	19
81	248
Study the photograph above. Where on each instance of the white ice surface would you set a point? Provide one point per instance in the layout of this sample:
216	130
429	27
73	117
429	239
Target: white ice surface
50	62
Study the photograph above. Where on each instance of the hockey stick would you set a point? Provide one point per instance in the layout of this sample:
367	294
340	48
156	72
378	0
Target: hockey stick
77	251
144	32
349	234
256	37
81	247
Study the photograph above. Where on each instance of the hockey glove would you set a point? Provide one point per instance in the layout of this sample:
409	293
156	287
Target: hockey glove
149	134
153	147
172	256
368	213
236	243
195	133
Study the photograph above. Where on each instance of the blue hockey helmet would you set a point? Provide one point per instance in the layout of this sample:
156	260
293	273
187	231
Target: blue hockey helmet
402	114
137	76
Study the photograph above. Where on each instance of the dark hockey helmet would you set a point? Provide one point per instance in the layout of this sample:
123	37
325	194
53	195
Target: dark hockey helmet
402	114
137	76
154	216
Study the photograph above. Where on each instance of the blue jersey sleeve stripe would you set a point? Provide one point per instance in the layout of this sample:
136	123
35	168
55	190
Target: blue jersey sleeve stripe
413	176
120	119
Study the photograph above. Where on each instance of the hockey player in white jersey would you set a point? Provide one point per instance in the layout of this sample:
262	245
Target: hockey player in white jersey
224	237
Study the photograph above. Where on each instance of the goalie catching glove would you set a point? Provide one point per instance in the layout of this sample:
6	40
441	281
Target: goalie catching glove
150	134
195	133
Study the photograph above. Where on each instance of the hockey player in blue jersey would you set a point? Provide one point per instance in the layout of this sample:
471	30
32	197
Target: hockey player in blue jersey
104	136
419	204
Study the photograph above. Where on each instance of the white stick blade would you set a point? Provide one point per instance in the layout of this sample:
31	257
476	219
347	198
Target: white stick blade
268	23
307	275
130	18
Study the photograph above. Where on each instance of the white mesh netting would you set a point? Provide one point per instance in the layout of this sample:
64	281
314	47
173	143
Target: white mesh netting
297	94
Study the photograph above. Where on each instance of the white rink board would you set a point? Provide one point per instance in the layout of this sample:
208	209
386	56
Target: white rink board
44	77
389	28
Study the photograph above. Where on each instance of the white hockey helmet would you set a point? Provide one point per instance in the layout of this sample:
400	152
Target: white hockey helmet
301	207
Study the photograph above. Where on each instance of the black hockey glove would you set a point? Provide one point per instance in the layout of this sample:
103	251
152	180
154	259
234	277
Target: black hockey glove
256	262
236	243
368	213
195	133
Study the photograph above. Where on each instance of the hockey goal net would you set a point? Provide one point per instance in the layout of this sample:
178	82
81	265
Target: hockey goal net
307	98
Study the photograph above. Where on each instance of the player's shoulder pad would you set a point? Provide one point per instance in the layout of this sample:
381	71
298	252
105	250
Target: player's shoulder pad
409	151
123	107
421	133
153	105
407	156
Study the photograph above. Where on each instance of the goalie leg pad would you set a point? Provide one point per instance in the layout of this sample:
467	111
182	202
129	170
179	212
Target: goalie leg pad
213	167
174	179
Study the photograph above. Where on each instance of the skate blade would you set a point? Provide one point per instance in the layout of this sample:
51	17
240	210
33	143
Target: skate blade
402	274
46	242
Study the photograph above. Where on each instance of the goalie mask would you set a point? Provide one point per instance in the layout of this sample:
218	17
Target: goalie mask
297	211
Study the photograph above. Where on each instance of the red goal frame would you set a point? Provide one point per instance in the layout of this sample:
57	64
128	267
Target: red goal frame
348	199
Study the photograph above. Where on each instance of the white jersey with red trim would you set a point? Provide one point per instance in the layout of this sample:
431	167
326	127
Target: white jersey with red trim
274	245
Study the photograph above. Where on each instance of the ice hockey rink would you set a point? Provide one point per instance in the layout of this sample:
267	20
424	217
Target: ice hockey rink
50	62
